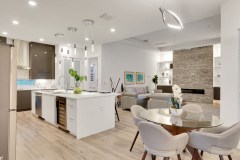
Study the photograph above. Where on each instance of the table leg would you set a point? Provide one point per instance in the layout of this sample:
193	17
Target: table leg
194	153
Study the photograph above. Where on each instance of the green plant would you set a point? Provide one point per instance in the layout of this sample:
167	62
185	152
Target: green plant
75	75
155	80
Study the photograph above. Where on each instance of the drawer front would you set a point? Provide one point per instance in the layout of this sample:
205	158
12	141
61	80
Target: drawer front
72	126
72	111
72	102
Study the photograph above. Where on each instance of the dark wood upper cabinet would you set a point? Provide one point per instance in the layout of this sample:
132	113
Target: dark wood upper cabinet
42	61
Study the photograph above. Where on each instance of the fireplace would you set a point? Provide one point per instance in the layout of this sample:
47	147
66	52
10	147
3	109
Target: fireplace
193	91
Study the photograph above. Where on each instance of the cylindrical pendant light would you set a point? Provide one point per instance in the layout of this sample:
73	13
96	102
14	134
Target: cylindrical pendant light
92	45
85	52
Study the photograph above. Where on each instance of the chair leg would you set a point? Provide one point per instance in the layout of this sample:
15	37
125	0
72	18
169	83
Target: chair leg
153	157
221	157
201	153
229	157
117	113
179	157
134	141
166	158
144	155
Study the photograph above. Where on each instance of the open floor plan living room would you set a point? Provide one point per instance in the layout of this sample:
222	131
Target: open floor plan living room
119	80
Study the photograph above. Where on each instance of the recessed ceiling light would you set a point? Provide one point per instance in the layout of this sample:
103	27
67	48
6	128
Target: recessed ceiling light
41	39
113	30
15	22
45	52
86	39
32	3
68	45
35	55
4	33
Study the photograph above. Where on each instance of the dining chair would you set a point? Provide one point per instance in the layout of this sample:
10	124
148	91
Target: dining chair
219	141
136	110
159	142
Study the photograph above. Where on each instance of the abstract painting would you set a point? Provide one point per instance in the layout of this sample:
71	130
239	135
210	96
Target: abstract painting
140	78
129	77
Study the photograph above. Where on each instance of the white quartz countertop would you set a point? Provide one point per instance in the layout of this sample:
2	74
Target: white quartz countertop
70	94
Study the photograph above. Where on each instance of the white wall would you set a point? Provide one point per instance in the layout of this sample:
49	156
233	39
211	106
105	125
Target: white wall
123	56
230	24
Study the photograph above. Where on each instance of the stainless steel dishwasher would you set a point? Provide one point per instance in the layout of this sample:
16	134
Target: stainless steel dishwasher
38	104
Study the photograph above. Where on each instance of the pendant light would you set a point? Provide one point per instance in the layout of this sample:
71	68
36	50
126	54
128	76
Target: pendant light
92	47
85	52
178	26
75	49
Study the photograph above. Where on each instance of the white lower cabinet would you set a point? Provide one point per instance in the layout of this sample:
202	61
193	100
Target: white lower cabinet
72	116
33	102
49	110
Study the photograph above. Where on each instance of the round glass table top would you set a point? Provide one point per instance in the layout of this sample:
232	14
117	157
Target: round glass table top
186	120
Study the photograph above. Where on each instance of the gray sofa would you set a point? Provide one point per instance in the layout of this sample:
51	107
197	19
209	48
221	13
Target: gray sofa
159	100
135	96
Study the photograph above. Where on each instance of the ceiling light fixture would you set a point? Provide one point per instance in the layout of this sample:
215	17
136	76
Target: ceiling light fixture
72	29
41	39
75	48
113	30
85	53
60	35
5	33
15	22
92	46
32	3
88	23
68	45
165	12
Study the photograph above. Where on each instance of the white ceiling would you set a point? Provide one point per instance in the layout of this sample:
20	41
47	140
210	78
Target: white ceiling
132	17
206	30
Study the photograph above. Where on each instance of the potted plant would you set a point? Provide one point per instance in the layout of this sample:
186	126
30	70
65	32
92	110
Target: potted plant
176	101
155	81
78	79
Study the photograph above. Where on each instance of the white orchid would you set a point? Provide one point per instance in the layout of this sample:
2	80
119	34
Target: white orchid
177	93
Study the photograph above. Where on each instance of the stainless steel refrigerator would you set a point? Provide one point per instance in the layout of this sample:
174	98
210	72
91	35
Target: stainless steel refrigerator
8	93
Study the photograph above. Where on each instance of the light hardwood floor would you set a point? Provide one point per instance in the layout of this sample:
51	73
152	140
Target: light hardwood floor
38	140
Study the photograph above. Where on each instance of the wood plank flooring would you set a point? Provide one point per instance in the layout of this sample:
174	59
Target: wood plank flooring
38	140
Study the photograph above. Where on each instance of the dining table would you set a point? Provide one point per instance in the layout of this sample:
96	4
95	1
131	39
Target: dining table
186	122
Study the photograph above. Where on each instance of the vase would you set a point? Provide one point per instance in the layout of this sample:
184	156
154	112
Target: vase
176	112
77	89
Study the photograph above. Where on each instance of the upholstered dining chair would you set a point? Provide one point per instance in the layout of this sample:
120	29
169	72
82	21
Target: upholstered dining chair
220	140
136	110
159	142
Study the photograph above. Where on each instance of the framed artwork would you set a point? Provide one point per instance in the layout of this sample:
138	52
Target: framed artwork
140	78
129	77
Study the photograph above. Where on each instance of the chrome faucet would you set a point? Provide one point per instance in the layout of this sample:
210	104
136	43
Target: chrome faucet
66	79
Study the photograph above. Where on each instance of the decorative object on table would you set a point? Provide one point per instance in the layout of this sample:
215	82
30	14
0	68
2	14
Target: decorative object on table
122	87
155	80
78	79
140	78
129	78
176	101
114	90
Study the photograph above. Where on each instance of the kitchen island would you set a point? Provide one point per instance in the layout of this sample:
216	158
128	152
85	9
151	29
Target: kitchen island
85	114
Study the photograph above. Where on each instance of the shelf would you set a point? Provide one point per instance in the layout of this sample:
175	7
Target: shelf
165	77
165	69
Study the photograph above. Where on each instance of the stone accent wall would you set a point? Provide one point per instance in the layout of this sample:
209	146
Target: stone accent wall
193	69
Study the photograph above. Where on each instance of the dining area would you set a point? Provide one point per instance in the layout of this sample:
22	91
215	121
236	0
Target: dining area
195	131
